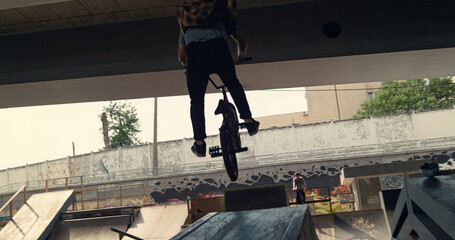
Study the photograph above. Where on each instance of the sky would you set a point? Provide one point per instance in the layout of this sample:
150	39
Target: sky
36	134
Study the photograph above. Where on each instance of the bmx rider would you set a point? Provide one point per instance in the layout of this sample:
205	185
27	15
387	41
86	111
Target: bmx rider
202	49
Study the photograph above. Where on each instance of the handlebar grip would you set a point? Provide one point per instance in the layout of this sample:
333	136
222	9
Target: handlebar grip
247	59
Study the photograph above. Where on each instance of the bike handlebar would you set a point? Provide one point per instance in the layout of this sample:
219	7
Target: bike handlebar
247	59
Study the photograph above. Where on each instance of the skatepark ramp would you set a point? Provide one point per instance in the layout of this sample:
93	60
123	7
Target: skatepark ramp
92	224
36	218
273	223
425	209
91	228
369	224
150	222
159	222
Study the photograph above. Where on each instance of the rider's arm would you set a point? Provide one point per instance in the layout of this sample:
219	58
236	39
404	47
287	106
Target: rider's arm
293	184
181	53
241	46
181	50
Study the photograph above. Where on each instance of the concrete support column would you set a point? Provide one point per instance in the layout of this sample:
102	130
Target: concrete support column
92	159
120	160
294	140
26	175
7	179
47	169
415	132
155	139
69	166
356	191
372	125
150	156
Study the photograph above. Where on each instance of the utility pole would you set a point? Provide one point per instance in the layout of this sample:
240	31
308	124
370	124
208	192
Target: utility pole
74	150
155	139
105	130
338	105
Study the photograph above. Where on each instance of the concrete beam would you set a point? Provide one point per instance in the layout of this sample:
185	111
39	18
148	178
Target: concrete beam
291	46
348	174
11	4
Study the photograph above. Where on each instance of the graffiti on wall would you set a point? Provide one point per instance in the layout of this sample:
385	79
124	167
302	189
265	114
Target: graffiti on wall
314	174
60	170
196	187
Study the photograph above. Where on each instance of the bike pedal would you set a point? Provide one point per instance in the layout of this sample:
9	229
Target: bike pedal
216	155
215	151
242	149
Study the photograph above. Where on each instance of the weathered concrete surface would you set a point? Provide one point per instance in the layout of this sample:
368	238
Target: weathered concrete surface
353	225
426	206
348	174
26	16
83	229
159	222
138	59
389	199
273	223
209	182
282	144
36	218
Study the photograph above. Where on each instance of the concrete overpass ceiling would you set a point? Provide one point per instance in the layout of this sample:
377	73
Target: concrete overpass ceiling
293	44
298	73
24	16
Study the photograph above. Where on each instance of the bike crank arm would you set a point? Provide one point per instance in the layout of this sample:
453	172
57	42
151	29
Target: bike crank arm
242	149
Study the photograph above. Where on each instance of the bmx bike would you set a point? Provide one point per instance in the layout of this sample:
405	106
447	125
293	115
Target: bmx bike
229	135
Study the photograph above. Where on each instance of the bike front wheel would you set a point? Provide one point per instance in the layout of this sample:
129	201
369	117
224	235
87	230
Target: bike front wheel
229	157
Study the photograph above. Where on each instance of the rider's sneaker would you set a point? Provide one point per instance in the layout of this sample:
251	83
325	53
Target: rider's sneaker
199	150
252	127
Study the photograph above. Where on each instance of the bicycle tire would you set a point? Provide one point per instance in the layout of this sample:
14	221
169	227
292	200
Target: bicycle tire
234	126
228	151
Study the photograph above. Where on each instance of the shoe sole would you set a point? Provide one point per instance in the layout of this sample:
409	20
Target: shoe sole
197	154
253	133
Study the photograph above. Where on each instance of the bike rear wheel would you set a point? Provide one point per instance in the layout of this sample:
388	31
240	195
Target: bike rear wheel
228	150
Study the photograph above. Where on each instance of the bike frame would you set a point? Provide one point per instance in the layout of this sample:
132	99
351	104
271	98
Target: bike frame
230	125
223	89
229	134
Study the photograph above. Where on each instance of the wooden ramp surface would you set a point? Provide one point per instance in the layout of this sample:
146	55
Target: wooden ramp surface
274	223
36	218
159	222
91	228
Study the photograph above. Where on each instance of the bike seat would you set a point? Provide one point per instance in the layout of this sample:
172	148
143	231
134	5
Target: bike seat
222	107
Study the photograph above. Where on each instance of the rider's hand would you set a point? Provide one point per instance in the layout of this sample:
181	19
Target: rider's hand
183	62
239	58
241	46
181	54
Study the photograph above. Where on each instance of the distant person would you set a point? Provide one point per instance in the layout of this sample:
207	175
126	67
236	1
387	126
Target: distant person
202	49
299	186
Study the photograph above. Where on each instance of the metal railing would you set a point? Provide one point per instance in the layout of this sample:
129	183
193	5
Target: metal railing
10	201
63	181
323	198
267	159
121	196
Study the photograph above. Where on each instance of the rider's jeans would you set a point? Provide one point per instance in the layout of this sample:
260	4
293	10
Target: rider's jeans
204	58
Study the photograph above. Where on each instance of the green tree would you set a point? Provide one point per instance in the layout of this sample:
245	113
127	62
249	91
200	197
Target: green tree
410	95
123	124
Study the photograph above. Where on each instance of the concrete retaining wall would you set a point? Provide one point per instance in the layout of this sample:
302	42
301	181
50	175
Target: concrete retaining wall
347	138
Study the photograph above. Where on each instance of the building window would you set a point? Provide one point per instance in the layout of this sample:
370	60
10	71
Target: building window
368	190
371	95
